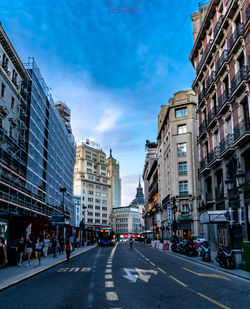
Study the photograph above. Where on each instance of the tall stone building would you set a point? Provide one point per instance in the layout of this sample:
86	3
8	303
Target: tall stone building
91	184
220	56
178	164
115	181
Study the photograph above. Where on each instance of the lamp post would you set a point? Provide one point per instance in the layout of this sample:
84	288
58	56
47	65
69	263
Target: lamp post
83	222
174	208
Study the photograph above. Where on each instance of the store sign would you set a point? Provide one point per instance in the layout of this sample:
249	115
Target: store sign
169	214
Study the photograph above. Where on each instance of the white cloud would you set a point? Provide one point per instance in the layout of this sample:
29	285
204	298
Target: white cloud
108	120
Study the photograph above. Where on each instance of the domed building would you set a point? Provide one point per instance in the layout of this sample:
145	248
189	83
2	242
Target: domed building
139	198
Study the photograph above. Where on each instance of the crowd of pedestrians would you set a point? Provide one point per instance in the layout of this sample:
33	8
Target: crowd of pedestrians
40	247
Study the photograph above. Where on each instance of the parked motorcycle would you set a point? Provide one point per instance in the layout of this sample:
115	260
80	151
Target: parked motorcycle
205	251
178	247
225	258
190	249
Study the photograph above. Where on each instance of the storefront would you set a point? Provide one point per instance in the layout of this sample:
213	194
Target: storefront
184	225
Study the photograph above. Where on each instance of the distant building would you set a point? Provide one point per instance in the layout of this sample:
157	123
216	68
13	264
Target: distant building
92	184
139	198
127	220
115	182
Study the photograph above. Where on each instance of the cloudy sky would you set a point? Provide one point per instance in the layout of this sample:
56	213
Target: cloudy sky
113	68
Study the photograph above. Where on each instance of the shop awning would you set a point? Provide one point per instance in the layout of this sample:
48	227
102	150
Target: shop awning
215	216
185	218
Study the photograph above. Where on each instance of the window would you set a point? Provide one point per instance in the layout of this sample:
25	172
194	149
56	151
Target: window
182	129
90	177
90	206
181	112
14	77
182	149
104	202
97	220
104	221
90	185
97	200
103	174
3	90
97	214
90	192
98	193
182	168
97	207
89	170
90	199
98	187
104	208
229	126
90	220
185	209
12	104
104	180
89	163
104	215
103	168
183	188
90	213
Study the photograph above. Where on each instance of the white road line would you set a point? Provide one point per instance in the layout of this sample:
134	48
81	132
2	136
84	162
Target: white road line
108	266
152	263
109	284
163	271
108	276
108	271
111	296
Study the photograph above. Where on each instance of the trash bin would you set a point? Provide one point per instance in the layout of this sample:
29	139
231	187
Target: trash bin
12	256
245	249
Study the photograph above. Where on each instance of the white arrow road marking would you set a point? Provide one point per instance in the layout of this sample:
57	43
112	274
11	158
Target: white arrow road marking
140	274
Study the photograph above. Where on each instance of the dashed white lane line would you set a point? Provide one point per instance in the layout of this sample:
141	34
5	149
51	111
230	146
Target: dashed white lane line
152	263
109	284
108	276
108	271
108	266
111	296
163	271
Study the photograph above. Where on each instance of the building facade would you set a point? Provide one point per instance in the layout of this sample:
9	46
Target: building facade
177	165
37	153
92	184
220	56
115	182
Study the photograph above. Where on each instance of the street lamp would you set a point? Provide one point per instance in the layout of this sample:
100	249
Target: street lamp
174	208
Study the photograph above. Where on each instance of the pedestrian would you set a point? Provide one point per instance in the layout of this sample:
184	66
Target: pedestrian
38	250
46	245
68	249
54	246
61	245
3	252
20	250
71	239
29	249
78	242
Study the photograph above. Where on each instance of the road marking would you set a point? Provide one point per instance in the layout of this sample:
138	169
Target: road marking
108	266
163	271
207	275
181	283
108	276
111	296
73	269
63	269
108	271
146	259
213	301
86	269
152	263
139	273
109	284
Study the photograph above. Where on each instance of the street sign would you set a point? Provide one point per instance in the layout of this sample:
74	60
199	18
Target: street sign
169	213
58	220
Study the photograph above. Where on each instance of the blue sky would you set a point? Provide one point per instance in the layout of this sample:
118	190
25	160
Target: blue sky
113	69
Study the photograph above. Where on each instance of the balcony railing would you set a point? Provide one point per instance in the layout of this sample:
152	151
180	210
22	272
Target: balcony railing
226	95
241	128
204	56
203	164
217	27
214	154
211	115
227	142
238	32
223	58
211	79
201	95
241	75
202	127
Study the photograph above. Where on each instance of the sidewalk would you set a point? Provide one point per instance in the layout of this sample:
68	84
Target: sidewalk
12	275
213	264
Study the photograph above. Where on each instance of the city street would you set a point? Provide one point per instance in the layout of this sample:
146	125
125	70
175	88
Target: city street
120	277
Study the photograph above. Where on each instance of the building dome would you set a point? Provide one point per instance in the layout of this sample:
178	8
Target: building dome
139	198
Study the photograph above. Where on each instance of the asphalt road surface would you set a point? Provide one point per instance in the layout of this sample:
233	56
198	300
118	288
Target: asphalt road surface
123	278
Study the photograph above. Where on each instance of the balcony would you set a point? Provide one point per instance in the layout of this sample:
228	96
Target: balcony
237	33
201	95
225	97
217	27
210	80
219	194
222	60
241	75
213	155
241	129
227	143
204	56
202	127
203	165
211	115
183	193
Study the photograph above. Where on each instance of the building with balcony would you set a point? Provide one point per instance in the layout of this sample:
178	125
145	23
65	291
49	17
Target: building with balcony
178	165
37	153
92	184
220	57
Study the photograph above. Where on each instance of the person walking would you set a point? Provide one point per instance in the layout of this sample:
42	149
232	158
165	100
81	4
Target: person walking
3	252
38	250
61	245
20	250
68	249
46	245
54	246
71	240
29	249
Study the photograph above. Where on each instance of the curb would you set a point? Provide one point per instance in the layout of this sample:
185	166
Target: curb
43	270
205	264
